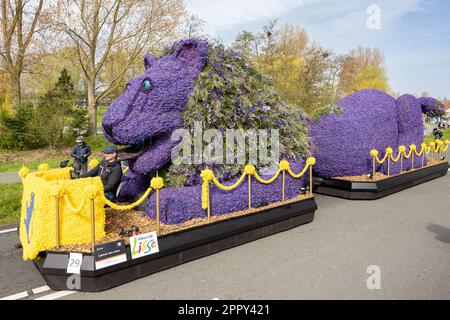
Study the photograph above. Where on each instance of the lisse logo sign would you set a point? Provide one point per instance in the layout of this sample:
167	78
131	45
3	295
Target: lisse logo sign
144	245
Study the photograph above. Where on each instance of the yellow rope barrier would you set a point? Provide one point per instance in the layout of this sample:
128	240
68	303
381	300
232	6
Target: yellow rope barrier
114	206
208	176
433	147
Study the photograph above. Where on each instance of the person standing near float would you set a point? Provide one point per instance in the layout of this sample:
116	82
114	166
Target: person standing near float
80	154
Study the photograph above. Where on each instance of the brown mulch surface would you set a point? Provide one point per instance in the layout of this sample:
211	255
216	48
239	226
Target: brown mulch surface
379	176
34	155
127	219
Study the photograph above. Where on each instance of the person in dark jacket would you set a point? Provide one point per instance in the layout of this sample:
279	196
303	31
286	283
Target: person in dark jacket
110	171
80	154
438	134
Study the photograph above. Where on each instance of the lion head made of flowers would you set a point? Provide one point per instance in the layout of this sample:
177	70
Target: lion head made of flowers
219	87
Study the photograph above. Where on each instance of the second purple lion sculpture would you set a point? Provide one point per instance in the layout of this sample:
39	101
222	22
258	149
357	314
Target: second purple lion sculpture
371	119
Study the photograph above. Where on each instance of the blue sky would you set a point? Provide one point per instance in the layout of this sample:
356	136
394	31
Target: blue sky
414	34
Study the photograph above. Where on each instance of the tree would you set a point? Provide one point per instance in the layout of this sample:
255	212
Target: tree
193	27
100	28
356	63
317	81
303	73
293	40
5	91
285	71
373	77
45	68
248	44
19	23
54	110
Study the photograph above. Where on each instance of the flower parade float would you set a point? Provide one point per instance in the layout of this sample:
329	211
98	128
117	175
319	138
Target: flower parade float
374	146
186	210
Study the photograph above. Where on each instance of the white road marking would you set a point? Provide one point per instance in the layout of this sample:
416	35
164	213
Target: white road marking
16	296
40	289
56	295
8	230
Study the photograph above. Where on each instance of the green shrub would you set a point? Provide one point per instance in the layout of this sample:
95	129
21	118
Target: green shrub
17	131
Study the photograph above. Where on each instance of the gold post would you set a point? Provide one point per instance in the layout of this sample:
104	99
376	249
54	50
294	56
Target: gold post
157	212
209	205
283	188
310	181
401	163
373	168
389	166
412	162
57	221
249	192
93	224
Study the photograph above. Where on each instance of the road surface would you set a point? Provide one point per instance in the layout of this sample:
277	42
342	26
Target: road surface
9	177
406	235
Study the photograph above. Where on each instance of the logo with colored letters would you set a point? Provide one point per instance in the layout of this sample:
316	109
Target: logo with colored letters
144	245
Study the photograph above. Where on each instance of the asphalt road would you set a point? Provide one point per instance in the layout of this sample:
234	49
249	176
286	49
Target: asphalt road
407	235
9	177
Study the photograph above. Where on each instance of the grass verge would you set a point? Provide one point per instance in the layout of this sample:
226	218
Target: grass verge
10	202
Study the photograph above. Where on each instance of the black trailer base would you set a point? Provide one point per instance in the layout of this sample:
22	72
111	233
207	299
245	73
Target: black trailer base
378	189
175	249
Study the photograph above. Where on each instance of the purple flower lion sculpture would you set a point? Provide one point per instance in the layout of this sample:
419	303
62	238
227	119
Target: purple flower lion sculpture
371	119
198	81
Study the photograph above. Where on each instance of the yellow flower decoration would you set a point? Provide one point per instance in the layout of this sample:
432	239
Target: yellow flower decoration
432	144
374	153
94	163
250	169
91	191
57	192
311	161
447	142
389	150
402	149
157	183
413	147
423	146
23	172
207	175
44	167
284	165
439	142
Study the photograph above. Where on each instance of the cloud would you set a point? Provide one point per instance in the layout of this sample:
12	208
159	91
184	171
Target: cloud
341	25
225	18
225	15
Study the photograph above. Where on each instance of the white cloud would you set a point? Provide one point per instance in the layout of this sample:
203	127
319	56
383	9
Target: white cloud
225	15
341	25
339	18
